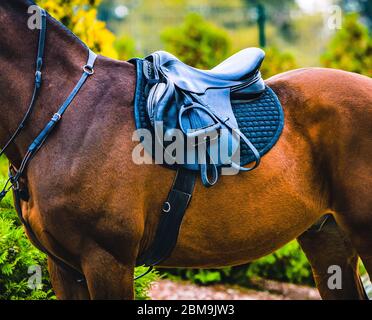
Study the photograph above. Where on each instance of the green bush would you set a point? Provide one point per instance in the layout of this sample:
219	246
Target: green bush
203	45
125	47
277	61
143	285
3	167
197	42
351	48
16	256
288	264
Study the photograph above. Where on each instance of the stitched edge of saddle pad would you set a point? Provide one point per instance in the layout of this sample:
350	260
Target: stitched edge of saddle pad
260	120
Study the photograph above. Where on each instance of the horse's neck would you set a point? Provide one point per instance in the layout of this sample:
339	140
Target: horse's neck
64	56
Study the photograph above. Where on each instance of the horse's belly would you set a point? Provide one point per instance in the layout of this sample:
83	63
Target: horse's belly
236	223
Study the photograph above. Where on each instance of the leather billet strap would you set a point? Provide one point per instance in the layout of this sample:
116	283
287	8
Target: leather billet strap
41	48
172	213
38	80
88	70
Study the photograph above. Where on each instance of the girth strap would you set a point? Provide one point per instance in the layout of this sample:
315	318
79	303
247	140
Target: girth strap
172	214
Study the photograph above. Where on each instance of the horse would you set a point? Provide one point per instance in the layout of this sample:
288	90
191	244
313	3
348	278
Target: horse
93	208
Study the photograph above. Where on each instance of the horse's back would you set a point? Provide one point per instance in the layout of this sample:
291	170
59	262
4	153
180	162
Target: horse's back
317	85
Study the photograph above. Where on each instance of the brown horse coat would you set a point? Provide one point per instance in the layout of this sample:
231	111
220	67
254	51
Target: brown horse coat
93	207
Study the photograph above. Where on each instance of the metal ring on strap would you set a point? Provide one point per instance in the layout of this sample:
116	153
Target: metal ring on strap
166	207
88	69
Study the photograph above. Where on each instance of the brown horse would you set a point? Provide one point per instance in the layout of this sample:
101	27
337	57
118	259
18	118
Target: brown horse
91	206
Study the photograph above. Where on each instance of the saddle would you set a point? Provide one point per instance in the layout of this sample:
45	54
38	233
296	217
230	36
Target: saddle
228	116
198	104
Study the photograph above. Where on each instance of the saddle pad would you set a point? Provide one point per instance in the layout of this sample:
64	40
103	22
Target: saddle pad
261	119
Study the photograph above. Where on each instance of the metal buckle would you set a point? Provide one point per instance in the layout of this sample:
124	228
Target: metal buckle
56	117
166	207
88	69
15	185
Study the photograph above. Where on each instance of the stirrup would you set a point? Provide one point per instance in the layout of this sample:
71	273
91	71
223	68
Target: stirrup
205	131
252	148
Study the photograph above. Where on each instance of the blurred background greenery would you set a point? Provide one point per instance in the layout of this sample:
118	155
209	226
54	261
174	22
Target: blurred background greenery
210	30
294	33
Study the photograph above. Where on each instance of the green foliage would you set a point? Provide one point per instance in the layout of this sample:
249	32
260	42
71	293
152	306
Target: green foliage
3	166
197	42
143	284
16	256
277	62
125	47
203	45
81	17
288	264
363	7
351	48
199	276
276	12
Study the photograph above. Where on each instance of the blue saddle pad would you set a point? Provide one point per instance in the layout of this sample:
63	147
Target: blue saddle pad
261	119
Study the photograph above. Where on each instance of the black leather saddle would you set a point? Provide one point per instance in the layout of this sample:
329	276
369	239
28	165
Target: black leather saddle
198	104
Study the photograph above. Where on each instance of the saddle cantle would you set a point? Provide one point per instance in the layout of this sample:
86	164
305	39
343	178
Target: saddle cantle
226	108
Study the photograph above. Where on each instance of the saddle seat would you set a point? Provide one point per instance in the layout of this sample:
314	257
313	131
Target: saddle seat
198	102
239	72
239	66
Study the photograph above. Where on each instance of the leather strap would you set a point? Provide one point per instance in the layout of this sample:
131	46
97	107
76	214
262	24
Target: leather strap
87	71
172	213
44	134
37	83
41	48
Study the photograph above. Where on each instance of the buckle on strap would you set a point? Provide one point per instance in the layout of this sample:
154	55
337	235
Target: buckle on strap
38	76
56	117
88	69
